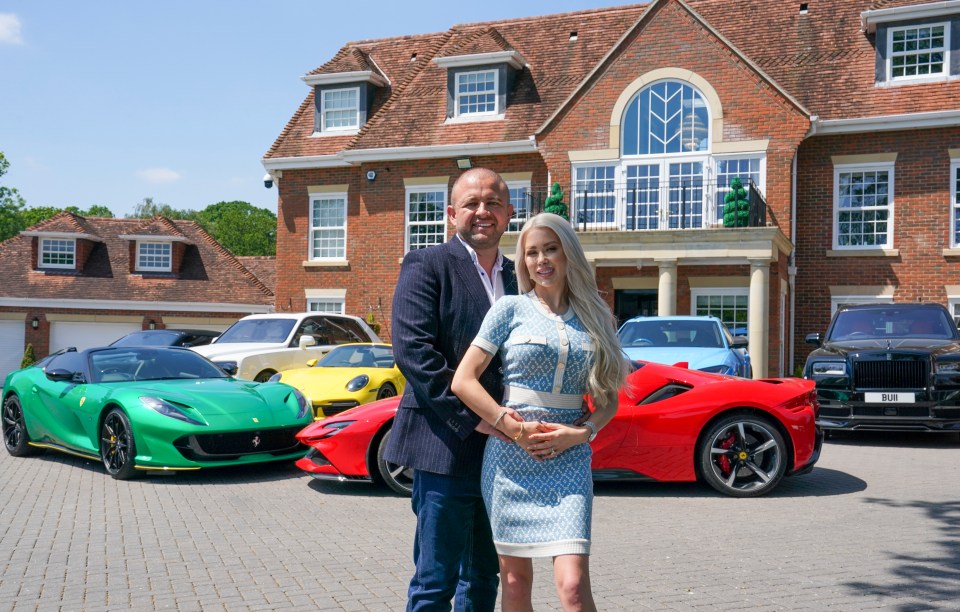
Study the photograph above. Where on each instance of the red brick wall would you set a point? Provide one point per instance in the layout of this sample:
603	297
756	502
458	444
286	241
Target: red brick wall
921	224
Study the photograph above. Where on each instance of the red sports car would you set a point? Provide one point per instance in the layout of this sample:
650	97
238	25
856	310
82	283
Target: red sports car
673	424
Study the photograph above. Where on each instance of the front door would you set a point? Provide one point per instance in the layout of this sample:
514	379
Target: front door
629	303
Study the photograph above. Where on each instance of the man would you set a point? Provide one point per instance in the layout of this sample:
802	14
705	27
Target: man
441	297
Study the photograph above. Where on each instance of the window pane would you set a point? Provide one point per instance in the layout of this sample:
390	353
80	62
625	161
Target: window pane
426	218
477	93
328	228
59	253
154	256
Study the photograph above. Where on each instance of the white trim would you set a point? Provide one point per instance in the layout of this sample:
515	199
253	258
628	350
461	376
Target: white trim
314	196
139	267
355	126
134	305
357	156
954	200
870	19
890	168
340	302
511	58
74	235
55	266
885	123
409	189
944	74
338	78
154	238
457	94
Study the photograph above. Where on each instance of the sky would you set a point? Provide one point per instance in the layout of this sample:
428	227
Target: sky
113	101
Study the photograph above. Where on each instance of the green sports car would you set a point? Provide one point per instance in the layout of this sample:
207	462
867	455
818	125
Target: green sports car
149	408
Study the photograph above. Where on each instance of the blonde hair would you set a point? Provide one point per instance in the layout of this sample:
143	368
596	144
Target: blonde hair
609	369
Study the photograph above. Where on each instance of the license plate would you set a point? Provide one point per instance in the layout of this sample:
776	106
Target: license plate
890	398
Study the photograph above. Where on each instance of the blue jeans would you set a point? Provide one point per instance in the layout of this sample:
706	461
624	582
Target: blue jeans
453	547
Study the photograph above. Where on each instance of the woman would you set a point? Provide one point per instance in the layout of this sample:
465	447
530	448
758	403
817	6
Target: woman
558	341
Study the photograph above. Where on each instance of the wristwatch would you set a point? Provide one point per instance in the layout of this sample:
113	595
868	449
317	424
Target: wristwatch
593	430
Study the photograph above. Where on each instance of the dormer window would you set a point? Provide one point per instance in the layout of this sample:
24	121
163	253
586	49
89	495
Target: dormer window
477	93
58	253
918	51
154	256
340	109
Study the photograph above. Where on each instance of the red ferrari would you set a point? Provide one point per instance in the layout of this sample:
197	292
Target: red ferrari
673	425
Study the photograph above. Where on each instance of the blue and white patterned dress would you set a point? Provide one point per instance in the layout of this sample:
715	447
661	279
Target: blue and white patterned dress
538	508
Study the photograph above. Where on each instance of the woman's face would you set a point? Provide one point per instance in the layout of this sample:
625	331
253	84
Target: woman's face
544	257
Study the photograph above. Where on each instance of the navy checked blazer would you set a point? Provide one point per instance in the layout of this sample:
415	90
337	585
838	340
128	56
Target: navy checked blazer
438	306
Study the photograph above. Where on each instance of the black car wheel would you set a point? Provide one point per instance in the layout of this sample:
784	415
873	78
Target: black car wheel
742	455
117	448
397	477
264	376
386	391
15	436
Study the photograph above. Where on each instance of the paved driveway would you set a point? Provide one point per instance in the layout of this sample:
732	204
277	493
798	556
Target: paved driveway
875	526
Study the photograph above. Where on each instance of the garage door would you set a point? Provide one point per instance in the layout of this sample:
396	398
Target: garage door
84	335
11	347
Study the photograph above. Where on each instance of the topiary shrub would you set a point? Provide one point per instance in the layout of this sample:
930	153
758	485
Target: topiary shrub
554	203
29	356
736	205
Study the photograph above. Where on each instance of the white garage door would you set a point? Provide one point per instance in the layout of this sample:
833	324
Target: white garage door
84	335
11	347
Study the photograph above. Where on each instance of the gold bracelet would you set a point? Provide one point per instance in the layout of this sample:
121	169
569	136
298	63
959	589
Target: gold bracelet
503	413
519	435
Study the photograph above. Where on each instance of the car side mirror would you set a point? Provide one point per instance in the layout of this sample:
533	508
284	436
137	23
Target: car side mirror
230	368
312	363
815	338
60	375
740	342
682	364
307	341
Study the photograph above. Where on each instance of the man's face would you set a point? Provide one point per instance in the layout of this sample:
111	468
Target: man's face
480	210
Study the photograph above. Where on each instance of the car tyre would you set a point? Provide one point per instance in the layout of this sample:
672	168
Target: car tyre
117	447
387	390
397	477
15	436
742	455
264	376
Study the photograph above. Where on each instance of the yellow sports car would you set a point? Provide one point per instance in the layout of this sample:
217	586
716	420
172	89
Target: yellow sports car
347	376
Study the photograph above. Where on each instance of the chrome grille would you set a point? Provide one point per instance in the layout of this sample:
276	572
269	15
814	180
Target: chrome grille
890	374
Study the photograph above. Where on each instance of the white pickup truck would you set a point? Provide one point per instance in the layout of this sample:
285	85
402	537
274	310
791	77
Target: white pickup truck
258	346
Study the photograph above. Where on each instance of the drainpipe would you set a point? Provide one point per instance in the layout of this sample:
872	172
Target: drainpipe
792	266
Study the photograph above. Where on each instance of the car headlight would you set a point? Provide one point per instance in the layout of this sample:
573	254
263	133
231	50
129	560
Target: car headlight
358	382
275	378
719	369
167	409
947	367
335	428
303	404
828	368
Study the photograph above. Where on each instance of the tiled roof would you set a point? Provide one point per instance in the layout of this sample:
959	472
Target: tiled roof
263	267
820	57
209	273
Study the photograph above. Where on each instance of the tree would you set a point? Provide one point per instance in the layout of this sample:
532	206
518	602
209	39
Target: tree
96	210
29	356
147	209
554	202
11	203
34	215
241	227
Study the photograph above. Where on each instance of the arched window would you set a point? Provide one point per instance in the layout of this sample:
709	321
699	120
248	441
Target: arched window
666	117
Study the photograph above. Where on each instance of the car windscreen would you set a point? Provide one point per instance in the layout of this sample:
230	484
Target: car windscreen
154	338
358	357
144	363
667	334
258	330
891	322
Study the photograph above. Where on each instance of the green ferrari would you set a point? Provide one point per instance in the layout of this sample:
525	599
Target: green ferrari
138	409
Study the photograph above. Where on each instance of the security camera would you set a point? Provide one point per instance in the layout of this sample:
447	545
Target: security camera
267	181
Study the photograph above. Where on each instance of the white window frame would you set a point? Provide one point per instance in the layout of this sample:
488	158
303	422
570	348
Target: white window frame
163	267
408	224
326	305
517	221
715	216
619	211
44	250
341	254
457	94
955	203
945	50
324	110
698	292
889	168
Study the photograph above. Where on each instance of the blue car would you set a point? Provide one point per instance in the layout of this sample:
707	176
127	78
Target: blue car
704	343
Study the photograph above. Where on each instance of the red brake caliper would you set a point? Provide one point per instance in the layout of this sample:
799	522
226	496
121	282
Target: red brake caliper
723	460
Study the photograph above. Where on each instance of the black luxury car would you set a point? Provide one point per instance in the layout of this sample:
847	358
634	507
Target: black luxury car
888	367
167	337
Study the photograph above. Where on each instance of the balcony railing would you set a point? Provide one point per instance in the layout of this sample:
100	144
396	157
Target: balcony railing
681	205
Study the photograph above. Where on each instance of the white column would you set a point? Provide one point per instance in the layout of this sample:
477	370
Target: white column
758	318
667	290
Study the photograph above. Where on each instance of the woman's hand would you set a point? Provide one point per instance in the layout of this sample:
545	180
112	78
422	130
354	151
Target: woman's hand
502	425
551	439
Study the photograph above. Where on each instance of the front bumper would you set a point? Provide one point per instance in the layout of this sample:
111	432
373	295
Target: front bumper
315	464
848	410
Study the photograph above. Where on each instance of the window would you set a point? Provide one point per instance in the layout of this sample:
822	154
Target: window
863	207
955	203
594	195
746	169
154	256
666	117
326	305
328	227
340	109
58	253
476	93
727	304
520	200
918	51
426	217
